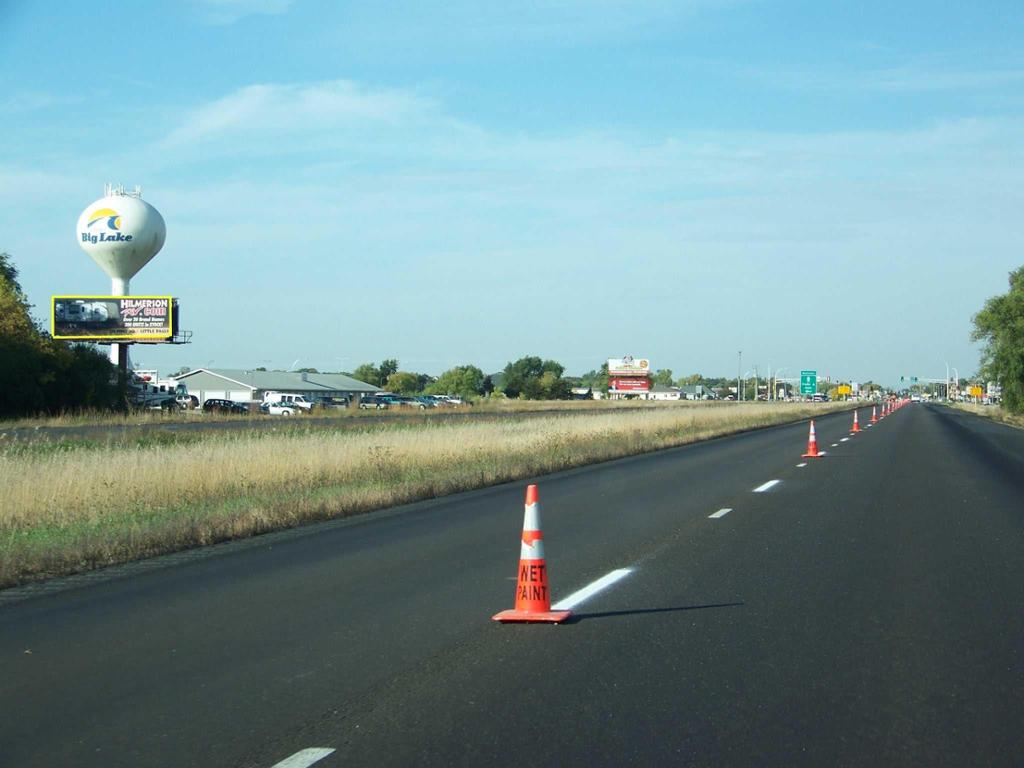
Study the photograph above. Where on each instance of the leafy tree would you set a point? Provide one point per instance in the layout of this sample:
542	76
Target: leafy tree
690	381
1000	324
663	377
462	380
372	374
404	383
596	380
38	373
368	373
306	370
554	387
387	367
534	379
9	274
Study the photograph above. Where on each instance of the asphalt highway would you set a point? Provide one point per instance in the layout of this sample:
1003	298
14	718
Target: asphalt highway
866	609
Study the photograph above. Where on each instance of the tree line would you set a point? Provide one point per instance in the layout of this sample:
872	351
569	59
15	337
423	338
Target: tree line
40	374
528	378
1000	326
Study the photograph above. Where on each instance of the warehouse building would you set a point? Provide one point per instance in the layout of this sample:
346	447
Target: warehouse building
248	386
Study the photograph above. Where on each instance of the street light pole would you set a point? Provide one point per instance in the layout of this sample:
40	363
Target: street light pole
775	381
739	367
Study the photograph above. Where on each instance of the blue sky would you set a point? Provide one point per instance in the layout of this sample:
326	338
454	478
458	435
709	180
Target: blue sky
822	185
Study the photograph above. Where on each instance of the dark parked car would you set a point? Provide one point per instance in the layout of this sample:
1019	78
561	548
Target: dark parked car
331	402
216	405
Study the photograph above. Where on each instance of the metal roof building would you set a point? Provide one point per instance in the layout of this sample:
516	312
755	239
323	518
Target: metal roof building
246	386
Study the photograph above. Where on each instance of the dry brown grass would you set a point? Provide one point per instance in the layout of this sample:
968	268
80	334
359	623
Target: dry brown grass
68	510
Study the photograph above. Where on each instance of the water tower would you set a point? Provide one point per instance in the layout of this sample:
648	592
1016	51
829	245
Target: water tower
121	232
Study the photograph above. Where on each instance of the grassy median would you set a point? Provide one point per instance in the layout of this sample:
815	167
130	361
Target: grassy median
70	506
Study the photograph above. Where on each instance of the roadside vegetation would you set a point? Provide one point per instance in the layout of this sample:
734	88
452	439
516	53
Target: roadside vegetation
40	374
76	505
1000	325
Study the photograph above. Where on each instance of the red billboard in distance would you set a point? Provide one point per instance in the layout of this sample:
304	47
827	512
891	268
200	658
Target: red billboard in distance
629	383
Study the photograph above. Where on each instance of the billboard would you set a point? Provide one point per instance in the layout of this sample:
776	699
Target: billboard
629	366
111	318
629	384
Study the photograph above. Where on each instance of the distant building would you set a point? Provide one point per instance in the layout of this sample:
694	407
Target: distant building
696	392
660	392
249	386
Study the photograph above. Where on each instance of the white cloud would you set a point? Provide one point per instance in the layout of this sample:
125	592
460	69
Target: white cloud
259	112
684	218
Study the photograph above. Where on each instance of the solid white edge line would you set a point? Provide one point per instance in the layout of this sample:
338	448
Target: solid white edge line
720	513
591	589
765	486
835	445
304	758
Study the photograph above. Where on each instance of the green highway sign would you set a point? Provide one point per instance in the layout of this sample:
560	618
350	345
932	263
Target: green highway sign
808	382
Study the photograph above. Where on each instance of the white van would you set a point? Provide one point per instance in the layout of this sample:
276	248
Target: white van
288	397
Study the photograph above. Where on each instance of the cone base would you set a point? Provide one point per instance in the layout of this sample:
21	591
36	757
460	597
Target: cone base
811	455
551	617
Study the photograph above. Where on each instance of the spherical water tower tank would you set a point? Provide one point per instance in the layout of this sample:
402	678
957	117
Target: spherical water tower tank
121	232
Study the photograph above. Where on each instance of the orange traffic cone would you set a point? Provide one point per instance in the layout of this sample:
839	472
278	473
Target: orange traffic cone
812	444
856	426
533	598
874	418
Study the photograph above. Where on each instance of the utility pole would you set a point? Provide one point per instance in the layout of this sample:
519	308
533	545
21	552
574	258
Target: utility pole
739	372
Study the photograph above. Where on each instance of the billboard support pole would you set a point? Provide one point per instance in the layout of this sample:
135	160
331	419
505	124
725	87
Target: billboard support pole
119	352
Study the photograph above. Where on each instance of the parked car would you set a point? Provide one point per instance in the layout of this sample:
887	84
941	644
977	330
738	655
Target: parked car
331	402
373	402
187	402
280	409
443	400
403	401
218	405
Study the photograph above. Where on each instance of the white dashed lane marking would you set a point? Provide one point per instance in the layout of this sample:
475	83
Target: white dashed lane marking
591	589
766	486
720	513
304	758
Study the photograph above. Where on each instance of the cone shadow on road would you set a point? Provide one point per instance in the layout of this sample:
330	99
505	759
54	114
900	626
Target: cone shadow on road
577	617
